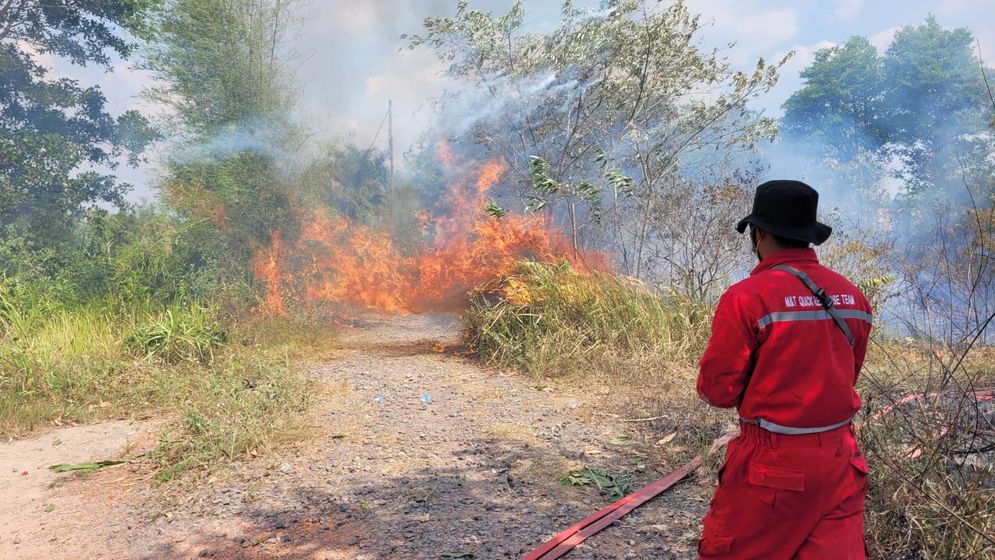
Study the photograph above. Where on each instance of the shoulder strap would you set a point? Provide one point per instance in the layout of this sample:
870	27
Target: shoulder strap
821	295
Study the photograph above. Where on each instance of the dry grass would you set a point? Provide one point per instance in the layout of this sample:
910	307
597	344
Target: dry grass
933	485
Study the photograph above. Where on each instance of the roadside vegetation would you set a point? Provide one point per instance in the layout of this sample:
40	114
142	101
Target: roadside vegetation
147	311
599	143
227	381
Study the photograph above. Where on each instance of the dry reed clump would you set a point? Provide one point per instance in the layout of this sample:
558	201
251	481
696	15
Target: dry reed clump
550	319
930	439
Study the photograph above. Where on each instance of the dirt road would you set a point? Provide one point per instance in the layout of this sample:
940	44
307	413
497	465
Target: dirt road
420	454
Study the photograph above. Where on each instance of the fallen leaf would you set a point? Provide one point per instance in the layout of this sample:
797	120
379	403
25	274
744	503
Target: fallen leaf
620	441
49	508
666	439
424	518
82	467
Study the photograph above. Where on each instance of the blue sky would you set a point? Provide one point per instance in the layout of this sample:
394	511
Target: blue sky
352	61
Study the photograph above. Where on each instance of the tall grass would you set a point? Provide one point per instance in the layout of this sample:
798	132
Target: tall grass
550	319
231	391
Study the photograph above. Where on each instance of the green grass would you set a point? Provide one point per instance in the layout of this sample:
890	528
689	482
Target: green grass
232	389
245	403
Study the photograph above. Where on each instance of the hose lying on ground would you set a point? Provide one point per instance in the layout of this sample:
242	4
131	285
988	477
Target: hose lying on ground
580	531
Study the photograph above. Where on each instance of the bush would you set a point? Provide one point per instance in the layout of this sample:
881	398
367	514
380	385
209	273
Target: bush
178	334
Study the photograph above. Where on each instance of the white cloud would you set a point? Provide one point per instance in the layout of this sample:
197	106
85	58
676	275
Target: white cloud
847	10
750	24
955	7
354	17
882	39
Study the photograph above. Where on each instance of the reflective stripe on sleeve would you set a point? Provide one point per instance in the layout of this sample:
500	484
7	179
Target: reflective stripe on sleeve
817	315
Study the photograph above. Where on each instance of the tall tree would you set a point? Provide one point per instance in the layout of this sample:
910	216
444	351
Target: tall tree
221	69
922	104
932	86
840	102
53	132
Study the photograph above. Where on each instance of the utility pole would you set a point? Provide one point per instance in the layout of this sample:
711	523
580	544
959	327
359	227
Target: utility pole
390	143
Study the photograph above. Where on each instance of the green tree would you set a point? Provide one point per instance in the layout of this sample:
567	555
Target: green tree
222	73
922	104
932	85
839	105
53	132
351	180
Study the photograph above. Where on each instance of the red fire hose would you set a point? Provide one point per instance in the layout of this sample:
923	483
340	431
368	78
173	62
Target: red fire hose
579	532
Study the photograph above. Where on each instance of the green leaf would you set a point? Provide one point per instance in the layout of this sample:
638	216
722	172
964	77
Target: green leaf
83	467
615	484
493	209
535	204
620	441
542	178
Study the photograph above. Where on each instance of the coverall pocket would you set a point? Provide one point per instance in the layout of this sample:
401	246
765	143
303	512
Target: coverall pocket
778	478
859	464
712	543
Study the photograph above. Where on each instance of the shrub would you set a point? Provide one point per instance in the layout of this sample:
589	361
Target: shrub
178	334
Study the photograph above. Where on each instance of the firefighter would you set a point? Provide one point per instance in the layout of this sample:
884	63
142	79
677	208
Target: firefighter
786	348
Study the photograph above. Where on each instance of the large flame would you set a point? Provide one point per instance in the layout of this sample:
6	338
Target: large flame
338	261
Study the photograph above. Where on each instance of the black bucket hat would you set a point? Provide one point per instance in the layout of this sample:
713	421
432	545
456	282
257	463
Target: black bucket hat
787	209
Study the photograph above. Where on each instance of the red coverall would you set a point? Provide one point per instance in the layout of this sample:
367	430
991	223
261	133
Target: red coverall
787	496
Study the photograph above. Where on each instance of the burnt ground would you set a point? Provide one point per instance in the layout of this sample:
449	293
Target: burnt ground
475	471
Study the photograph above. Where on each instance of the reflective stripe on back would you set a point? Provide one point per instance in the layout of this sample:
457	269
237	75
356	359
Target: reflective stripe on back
817	315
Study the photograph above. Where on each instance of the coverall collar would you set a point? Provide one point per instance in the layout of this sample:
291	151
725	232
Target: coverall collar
785	256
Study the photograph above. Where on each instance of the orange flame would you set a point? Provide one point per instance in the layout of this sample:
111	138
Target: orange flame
268	265
444	153
338	261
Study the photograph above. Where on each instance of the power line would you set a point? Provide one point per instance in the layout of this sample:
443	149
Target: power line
377	135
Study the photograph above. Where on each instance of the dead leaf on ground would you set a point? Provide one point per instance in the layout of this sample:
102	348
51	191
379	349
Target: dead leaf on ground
666	439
